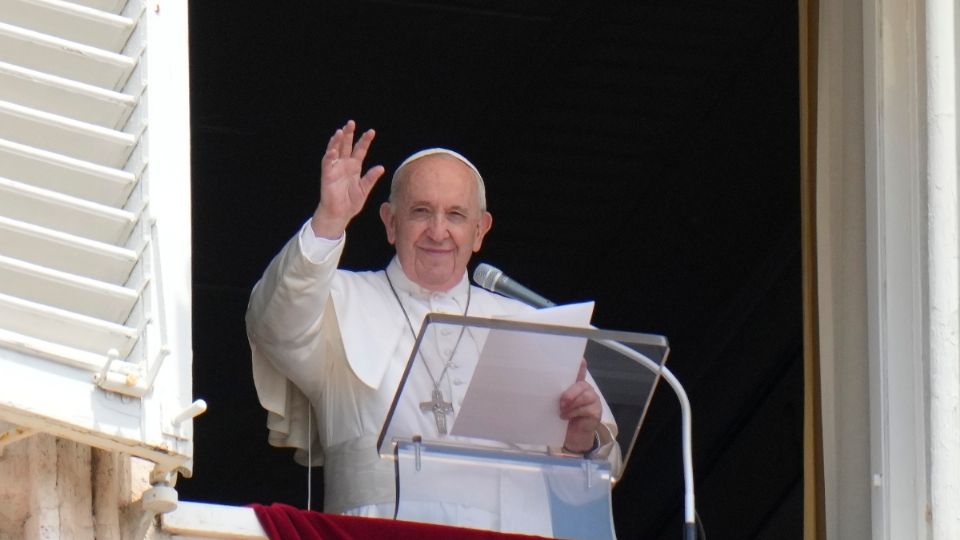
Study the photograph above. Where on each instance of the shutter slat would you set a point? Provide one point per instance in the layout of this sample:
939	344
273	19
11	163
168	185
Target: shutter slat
54	210
49	350
65	327
110	6
66	291
64	97
67	175
62	135
65	252
64	58
69	21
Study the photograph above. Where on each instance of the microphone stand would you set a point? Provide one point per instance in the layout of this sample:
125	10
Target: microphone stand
689	513
488	277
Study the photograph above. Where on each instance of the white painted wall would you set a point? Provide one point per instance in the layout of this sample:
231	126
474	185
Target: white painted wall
944	267
887	249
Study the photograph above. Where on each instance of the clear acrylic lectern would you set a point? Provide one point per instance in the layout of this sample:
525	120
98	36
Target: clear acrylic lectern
484	449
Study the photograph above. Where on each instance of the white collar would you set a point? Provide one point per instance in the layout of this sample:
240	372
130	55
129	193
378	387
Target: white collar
400	280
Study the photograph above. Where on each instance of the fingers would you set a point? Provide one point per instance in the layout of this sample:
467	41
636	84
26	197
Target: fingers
346	140
333	147
343	191
369	179
568	396
581	429
586	411
341	150
360	149
580	406
577	409
341	146
580	394
575	390
579	400
345	145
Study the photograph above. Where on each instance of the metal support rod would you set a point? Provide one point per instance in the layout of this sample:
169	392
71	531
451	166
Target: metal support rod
689	506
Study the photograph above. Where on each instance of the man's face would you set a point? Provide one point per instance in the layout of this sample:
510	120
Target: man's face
435	222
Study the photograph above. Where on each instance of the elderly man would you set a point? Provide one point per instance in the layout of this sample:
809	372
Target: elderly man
341	339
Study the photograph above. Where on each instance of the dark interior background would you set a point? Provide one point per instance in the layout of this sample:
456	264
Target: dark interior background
641	153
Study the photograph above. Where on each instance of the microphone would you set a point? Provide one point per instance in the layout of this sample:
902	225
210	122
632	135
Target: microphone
494	280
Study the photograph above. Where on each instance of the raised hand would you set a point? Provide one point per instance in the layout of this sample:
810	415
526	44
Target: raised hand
343	190
580	406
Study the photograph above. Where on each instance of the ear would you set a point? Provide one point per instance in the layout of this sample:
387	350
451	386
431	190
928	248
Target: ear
389	223
483	227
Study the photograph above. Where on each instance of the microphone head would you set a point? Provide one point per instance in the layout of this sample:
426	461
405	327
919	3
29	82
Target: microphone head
486	276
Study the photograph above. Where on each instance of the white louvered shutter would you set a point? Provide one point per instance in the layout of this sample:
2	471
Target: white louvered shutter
95	340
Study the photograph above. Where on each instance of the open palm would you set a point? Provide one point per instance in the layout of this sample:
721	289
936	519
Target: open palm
343	189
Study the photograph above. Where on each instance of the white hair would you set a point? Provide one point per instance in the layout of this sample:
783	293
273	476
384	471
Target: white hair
481	190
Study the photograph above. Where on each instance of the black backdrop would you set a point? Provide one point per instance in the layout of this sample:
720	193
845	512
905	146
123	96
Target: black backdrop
639	153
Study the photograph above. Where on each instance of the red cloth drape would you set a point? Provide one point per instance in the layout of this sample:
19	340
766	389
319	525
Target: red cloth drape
284	522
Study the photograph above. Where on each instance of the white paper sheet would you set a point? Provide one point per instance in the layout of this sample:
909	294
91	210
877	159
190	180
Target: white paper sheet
514	395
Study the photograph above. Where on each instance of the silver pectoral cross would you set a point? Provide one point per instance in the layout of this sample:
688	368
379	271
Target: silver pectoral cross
440	410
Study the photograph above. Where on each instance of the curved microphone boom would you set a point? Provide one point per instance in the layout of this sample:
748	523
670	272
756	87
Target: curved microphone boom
494	280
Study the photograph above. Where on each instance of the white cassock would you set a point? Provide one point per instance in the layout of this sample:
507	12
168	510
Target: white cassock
340	340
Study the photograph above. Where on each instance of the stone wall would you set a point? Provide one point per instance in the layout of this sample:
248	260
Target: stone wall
52	488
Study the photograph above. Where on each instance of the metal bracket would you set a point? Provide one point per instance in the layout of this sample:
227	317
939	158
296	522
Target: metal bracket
175	429
417	449
589	470
160	498
134	383
138	382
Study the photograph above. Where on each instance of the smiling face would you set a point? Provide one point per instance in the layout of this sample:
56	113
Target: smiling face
435	221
